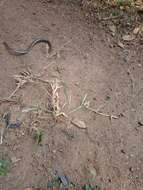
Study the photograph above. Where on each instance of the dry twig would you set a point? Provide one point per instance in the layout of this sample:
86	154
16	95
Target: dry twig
103	114
85	104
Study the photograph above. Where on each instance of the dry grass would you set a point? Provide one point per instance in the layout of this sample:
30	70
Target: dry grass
59	102
55	85
56	107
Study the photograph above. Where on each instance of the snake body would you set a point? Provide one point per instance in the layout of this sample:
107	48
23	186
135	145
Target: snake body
26	51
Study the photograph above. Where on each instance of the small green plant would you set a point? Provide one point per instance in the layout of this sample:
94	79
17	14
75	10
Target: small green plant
55	182
4	167
39	136
121	3
89	187
60	182
115	14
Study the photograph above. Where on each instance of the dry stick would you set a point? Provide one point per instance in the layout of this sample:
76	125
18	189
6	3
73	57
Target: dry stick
80	106
17	88
13	93
42	80
103	114
44	70
85	104
1	135
110	18
7	100
19	85
101	106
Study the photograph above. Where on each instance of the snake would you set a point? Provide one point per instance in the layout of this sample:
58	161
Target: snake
26	51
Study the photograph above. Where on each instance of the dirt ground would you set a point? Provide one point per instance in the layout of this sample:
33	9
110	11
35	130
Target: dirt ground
108	153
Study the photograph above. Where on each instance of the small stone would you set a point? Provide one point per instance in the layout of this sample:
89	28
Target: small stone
54	151
131	155
120	44
122	151
131	169
78	123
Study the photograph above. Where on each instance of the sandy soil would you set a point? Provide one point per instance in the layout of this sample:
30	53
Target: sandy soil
88	65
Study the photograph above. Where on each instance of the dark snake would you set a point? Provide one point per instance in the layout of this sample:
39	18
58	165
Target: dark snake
26	51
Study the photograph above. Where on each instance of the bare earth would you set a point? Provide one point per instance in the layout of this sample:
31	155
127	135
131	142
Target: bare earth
88	65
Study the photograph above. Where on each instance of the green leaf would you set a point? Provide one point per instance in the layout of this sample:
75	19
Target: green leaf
39	136
87	187
124	2
54	183
4	167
